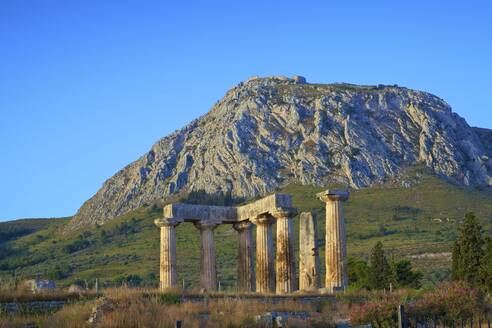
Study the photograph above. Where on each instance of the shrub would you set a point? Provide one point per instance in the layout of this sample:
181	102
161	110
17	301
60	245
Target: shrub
380	314
169	298
406	276
79	244
450	301
132	280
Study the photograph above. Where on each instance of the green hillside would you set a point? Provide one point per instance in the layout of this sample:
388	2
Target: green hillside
415	216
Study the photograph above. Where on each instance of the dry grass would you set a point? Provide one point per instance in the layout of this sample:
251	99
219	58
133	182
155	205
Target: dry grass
129	308
70	316
146	308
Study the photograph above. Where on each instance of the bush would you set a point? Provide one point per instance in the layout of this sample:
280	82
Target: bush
79	244
60	271
379	314
450	301
132	280
406	276
126	228
169	298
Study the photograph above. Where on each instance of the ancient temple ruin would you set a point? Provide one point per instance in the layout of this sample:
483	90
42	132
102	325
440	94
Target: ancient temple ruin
275	271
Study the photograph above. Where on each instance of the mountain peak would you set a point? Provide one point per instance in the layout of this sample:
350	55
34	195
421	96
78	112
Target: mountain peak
270	131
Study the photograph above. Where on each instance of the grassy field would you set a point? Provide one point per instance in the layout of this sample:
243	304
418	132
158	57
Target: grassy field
416	216
126	307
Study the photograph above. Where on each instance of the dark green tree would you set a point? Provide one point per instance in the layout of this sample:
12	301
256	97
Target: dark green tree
486	267
380	273
406	276
358	273
468	251
456	272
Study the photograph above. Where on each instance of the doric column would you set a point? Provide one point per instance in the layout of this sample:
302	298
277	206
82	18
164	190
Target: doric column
309	273
168	275
265	269
208	276
245	268
285	273
336	247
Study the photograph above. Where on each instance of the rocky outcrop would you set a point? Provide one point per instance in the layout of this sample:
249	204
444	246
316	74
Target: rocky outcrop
267	132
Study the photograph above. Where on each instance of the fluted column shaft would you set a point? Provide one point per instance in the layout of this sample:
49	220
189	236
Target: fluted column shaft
265	269
208	268
245	263
168	273
309	273
336	247
285	261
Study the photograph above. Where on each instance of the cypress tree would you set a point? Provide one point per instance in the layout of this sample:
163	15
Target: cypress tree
486	268
380	270
456	272
468	251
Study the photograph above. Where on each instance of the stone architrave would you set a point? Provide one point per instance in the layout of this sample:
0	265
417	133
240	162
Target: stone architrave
208	266
265	268
245	265
336	246
309	270
285	259
168	273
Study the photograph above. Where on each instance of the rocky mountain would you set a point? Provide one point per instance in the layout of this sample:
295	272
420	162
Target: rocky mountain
268	132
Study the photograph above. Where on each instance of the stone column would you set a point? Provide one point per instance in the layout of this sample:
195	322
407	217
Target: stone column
208	276
336	247
286	280
245	268
265	269
309	273
168	275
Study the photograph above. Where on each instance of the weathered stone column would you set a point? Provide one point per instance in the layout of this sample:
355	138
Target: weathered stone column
336	247
168	275
265	269
208	276
309	273
286	280
245	263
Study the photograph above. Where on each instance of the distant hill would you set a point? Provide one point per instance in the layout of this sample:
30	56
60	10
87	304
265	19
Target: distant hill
416	215
267	133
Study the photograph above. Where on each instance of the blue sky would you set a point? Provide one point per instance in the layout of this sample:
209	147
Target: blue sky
86	87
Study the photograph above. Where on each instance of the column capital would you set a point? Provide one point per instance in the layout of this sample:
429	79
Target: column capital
206	225
333	195
263	219
167	222
284	212
242	225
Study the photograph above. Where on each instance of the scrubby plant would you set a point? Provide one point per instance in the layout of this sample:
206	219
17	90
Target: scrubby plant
450	302
380	314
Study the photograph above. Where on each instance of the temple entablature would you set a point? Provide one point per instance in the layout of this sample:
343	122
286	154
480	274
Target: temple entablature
225	214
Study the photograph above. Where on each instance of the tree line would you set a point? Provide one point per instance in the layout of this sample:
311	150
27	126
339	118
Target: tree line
382	273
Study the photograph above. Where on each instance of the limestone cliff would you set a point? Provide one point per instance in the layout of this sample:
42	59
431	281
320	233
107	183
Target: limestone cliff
267	132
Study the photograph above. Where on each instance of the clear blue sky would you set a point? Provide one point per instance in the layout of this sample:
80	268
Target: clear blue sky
86	87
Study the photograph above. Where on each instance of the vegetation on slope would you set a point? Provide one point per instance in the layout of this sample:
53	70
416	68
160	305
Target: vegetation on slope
416	216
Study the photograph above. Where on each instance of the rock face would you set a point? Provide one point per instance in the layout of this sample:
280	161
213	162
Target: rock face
267	132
